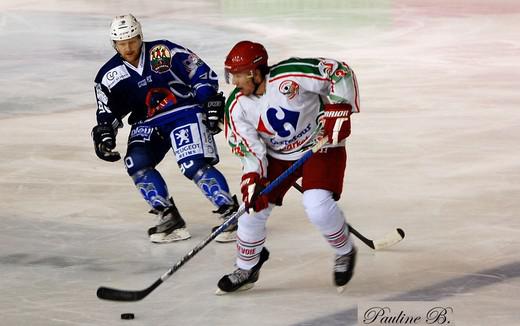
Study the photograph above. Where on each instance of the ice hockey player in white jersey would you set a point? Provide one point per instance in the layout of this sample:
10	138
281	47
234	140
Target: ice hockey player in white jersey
272	117
173	101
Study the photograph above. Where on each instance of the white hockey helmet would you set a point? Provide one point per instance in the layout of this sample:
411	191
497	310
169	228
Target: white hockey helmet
125	27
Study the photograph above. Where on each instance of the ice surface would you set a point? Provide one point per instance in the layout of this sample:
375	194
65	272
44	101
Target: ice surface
434	151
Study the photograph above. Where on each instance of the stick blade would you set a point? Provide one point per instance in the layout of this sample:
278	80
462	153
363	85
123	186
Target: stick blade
119	295
390	239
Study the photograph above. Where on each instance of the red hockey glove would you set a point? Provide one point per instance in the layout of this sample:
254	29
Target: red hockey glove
336	122
251	186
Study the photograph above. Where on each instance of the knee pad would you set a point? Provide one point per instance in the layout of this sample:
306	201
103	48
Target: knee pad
138	159
192	168
321	209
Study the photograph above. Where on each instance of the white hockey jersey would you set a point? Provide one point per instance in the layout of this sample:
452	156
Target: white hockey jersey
285	121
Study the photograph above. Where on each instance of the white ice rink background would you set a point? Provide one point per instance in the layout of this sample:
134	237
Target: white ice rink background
434	151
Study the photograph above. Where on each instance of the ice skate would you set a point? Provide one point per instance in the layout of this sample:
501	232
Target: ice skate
171	227
241	279
344	268
225	211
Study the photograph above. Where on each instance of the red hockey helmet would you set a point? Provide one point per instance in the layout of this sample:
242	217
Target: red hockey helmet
245	56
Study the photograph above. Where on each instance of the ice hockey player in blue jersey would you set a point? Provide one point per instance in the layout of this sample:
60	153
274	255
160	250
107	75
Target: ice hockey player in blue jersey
172	100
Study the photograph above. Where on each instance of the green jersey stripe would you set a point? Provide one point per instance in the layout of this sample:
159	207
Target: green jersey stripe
306	66
311	61
229	101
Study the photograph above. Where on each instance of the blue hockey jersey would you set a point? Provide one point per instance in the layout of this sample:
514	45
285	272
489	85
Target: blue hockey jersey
164	67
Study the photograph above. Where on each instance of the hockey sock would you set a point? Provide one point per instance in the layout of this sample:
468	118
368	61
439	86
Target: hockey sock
251	236
214	186
152	187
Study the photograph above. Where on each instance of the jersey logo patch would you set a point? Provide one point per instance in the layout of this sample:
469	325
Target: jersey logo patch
289	88
281	123
159	99
141	134
262	128
160	58
114	76
186	141
183	137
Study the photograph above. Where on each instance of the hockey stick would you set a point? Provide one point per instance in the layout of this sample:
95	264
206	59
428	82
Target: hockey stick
387	241
136	295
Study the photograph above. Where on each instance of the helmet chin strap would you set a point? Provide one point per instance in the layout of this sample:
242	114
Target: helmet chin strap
257	85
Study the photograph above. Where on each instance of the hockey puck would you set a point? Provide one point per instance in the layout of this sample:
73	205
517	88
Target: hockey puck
127	316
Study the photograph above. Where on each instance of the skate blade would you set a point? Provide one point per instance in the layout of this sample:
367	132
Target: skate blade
226	237
244	287
176	235
340	289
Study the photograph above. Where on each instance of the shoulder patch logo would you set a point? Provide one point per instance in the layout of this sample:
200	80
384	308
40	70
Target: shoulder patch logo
333	69
327	67
101	96
289	88
160	58
114	76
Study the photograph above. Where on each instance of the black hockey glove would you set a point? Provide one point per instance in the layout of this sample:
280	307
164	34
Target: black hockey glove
104	138
214	108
